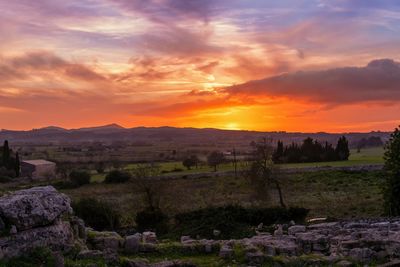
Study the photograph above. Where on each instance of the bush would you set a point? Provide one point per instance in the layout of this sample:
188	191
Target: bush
152	219
79	178
97	214
6	173
37	257
117	176
5	179
233	221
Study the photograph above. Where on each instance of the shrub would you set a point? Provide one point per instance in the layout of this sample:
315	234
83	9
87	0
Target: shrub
152	219
97	214
5	179
6	173
79	178
116	176
233	221
37	257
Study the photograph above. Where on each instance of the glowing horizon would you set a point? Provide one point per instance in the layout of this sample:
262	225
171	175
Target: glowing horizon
307	66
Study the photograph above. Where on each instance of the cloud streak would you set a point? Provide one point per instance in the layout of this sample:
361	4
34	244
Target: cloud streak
378	81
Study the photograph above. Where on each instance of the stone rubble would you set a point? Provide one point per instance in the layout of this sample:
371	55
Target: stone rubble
41	217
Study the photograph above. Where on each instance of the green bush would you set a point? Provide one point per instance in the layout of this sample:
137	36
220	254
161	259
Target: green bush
152	220
99	215
116	176
79	178
233	221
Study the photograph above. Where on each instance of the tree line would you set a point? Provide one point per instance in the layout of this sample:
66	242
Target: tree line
311	151
9	162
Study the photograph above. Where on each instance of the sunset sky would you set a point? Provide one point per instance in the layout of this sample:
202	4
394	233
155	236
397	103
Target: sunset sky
287	65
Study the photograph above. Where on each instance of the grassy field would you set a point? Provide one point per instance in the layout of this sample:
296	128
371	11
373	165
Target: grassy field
338	194
369	156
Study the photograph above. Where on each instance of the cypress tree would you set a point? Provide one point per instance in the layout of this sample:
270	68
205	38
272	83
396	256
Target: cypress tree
6	154
392	168
342	149
17	165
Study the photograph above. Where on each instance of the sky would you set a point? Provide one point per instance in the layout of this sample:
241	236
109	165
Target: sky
288	65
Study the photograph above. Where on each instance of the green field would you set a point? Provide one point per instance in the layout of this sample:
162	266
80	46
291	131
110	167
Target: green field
338	194
369	156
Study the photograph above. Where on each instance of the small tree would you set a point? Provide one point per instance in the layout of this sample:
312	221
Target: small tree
117	176
261	172
17	166
6	154
278	153
392	167
189	162
342	149
145	178
215	158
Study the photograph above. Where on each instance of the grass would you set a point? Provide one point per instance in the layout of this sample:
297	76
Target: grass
368	156
338	194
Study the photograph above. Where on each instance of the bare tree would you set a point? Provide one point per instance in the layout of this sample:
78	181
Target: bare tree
261	171
146	178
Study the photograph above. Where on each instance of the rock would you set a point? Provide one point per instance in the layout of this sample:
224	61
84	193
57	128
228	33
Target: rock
279	231
13	230
150	237
185	239
216	232
147	248
56	237
136	263
132	243
393	263
292	223
37	206
226	252
255	257
362	254
105	240
90	254
292	230
344	263
78	226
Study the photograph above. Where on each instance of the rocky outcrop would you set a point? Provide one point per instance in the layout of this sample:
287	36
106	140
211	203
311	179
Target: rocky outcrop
38	206
33	218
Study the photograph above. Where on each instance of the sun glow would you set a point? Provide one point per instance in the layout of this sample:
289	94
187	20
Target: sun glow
232	126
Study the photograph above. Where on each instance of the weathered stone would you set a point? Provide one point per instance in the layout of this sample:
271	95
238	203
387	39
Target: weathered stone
226	252
132	243
105	240
56	237
136	263
362	254
150	237
147	247
296	229
2	225
90	254
185	239
255	257
13	230
38	206
344	263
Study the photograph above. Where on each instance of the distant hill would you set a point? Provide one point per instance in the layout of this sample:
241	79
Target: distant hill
117	133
